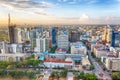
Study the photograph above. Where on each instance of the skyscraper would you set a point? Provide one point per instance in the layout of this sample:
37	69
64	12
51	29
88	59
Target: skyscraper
107	34
115	39
11	30
54	34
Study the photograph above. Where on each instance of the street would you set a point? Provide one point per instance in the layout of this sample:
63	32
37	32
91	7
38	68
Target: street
98	70
46	74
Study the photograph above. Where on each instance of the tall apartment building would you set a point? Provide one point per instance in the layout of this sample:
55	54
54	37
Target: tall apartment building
63	40
40	45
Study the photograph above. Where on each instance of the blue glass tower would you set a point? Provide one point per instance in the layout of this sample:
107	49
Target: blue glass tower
54	34
115	39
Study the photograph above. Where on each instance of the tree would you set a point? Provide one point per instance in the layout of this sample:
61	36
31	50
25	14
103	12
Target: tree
31	57
92	67
11	66
2	72
81	75
53	49
116	76
90	77
30	74
75	73
63	73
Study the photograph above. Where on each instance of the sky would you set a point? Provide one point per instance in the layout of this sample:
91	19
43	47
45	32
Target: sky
60	11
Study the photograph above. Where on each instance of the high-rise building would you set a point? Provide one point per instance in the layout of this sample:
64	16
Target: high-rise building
18	36
26	34
63	40
11	30
115	39
54	35
40	45
107	34
74	36
48	43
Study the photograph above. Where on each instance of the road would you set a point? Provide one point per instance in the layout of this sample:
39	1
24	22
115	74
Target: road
98	69
70	76
46	74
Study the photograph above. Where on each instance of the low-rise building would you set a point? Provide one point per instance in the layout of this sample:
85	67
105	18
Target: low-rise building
55	63
61	51
101	50
78	48
111	63
12	52
12	57
85	61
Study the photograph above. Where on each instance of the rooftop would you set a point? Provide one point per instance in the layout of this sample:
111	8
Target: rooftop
56	60
59	50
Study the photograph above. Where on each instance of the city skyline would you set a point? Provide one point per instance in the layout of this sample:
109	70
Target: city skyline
60	11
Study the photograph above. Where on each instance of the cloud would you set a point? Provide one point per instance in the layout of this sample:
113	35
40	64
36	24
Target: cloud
27	5
23	4
40	13
92	1
81	1
84	17
73	2
118	0
62	0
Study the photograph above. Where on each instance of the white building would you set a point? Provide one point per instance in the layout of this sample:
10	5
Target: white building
78	48
55	63
101	50
100	53
11	52
11	48
18	37
62	40
111	63
40	45
85	61
12	57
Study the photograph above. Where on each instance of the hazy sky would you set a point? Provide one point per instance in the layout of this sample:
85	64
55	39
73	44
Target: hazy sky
60	11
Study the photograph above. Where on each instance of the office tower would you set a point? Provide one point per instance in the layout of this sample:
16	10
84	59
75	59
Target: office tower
11	30
54	35
38	30
107	34
74	36
63	40
18	35
26	34
115	39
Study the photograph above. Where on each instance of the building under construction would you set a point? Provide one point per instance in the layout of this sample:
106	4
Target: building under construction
11	30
